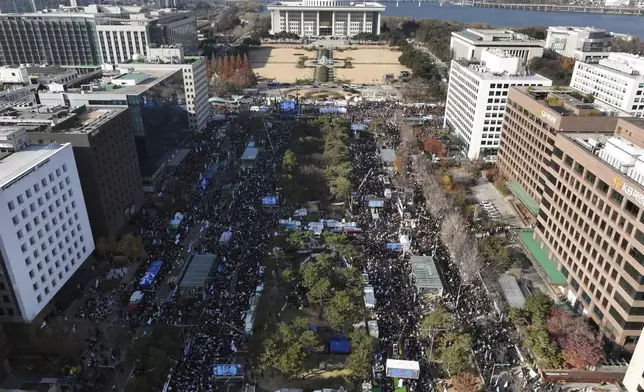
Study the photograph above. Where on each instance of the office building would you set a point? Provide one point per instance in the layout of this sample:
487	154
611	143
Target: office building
617	80
103	142
476	98
167	100
339	18
12	139
45	234
587	44
533	117
92	35
586	181
52	39
25	6
470	43
634	378
121	39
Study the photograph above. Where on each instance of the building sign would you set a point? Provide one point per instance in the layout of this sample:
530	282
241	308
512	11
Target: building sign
628	190
546	116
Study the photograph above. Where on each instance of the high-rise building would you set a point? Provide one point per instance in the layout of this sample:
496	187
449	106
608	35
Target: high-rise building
24	6
533	117
587	44
586	175
45	234
121	39
470	43
103	142
167	99
92	35
52	39
617	80
634	377
477	95
338	18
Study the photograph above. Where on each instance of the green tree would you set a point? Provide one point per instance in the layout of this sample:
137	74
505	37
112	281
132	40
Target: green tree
359	361
545	351
439	318
496	253
343	310
538	308
289	162
291	362
268	355
320	292
310	275
456	351
341	187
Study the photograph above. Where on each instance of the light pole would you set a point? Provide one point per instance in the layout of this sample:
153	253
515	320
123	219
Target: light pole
458	295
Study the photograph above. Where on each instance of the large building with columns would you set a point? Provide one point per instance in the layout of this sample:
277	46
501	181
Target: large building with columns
312	18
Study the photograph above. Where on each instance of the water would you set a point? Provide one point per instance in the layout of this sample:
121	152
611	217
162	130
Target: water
628	24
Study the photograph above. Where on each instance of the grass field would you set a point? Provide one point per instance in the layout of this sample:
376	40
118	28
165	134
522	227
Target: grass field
279	63
369	65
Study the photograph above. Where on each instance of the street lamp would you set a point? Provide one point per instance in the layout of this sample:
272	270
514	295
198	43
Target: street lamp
458	295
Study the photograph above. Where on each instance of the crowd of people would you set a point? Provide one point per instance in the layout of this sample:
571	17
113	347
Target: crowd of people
213	320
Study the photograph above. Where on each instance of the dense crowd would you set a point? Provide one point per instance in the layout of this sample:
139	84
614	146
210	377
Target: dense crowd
213	320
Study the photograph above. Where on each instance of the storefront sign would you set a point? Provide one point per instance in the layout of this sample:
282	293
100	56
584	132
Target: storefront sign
546	116
628	190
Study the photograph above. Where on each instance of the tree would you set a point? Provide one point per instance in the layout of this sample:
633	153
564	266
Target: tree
320	292
359	361
580	345
289	162
343	310
495	252
544	350
268	355
102	247
455	352
466	382
439	318
433	146
341	187
538	308
126	246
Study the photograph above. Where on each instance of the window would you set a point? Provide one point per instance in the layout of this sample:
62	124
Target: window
15	220
11	206
39	298
602	187
631	208
20	199
616	196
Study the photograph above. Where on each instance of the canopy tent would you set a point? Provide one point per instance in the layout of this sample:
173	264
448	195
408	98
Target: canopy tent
369	297
176	220
511	291
426	276
197	271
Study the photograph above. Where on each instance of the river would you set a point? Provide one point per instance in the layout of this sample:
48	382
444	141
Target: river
628	24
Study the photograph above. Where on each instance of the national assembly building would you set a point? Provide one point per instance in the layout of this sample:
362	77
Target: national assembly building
338	18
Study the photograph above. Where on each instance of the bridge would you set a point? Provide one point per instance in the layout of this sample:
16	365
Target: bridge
558	8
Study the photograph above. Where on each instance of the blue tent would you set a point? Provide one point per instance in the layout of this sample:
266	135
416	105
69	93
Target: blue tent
339	347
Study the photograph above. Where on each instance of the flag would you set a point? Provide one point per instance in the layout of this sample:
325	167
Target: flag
159	194
150	321
186	350
203	297
232	346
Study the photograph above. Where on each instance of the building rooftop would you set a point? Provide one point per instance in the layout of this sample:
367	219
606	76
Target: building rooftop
327	4
19	163
576	28
197	271
624	157
507	67
425	273
486	36
103	85
627	64
566	101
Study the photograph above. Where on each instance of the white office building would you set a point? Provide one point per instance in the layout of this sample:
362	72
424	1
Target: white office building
122	38
45	234
312	18
617	80
587	44
469	44
477	95
634	378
